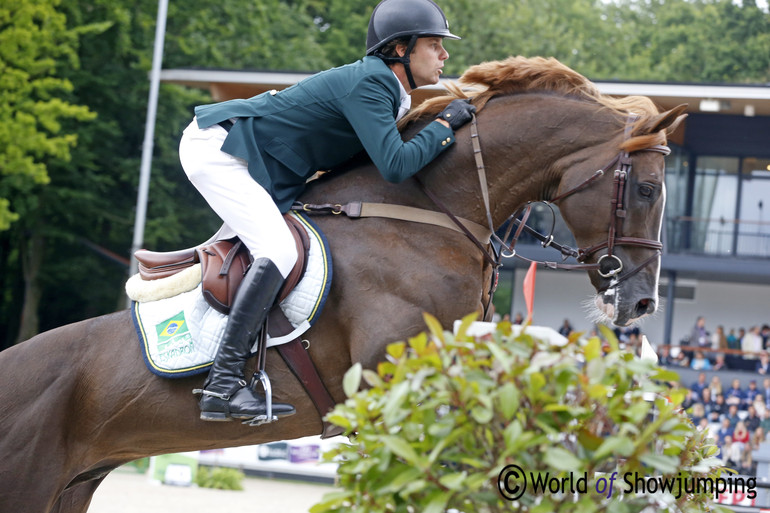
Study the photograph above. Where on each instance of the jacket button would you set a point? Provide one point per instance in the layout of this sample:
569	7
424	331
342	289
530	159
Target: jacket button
443	143
273	92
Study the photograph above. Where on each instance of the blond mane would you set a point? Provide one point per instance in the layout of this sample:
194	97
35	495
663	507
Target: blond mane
487	80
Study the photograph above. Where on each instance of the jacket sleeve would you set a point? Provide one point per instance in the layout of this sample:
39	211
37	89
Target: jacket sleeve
369	108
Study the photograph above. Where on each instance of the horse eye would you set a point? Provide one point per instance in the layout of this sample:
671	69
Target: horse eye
646	190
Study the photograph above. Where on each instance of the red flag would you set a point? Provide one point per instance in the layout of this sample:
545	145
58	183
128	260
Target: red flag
529	289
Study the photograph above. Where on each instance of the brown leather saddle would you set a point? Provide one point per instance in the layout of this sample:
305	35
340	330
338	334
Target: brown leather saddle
223	265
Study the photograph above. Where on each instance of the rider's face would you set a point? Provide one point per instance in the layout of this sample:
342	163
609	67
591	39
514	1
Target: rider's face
427	60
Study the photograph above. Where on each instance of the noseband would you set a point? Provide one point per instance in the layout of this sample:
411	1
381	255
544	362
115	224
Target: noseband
609	265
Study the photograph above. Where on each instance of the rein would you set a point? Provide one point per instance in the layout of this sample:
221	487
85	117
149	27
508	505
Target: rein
608	265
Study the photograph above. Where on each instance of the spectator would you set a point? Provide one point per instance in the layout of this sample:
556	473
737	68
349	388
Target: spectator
760	406
718	339
665	358
763	365
735	394
681	359
700	385
740	433
699	336
751	393
765	334
731	452
732	415
720	362
733	340
566	328
715	386
747	467
766	390
698	413
752	420
718	408
765	424
705	397
757	438
724	432
518	318
700	362
751	343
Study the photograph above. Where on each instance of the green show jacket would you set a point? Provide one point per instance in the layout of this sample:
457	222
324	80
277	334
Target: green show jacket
321	122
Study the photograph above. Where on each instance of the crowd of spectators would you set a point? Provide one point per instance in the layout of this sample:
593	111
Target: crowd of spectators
739	348
738	418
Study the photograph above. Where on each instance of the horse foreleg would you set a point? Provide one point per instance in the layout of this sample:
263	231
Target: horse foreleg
76	499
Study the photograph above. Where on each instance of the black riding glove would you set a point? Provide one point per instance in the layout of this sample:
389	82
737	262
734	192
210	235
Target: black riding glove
457	113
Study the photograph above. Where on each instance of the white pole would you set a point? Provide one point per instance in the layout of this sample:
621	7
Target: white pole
149	134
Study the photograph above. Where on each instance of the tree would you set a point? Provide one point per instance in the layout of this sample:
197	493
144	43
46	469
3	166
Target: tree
34	44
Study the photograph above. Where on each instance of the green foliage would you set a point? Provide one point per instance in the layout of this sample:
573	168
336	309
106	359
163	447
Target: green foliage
141	466
440	419
220	478
34	42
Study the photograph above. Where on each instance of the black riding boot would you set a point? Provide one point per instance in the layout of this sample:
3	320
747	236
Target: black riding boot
225	392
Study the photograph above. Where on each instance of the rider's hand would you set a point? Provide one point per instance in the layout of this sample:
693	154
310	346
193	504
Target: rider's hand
457	113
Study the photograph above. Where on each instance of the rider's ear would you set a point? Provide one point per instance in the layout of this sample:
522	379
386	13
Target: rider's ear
668	121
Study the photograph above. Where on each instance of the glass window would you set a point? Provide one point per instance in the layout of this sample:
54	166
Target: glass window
715	195
676	199
754	220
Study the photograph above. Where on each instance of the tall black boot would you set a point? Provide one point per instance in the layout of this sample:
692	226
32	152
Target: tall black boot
225	393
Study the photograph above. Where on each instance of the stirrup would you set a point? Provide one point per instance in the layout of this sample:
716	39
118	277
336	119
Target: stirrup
268	417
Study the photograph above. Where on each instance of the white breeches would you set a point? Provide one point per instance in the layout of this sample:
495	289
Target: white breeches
244	205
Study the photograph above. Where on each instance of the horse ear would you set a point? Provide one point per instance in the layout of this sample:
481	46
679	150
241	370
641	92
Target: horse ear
668	121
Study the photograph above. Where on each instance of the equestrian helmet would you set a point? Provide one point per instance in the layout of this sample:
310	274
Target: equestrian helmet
392	19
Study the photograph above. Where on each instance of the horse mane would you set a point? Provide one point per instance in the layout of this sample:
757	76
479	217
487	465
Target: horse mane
516	75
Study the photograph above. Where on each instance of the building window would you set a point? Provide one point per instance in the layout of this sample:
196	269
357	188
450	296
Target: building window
753	225
715	195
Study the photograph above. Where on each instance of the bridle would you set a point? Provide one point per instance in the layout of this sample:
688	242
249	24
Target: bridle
609	265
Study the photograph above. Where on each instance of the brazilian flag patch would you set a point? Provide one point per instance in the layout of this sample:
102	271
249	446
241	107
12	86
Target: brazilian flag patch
174	339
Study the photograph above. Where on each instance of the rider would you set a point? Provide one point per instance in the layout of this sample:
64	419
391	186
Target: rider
250	160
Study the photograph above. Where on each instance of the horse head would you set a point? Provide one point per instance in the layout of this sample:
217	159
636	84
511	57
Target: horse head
621	237
548	134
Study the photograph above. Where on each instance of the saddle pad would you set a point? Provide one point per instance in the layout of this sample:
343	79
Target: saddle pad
180	335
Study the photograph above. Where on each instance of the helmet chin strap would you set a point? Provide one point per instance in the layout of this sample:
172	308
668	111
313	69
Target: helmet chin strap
403	60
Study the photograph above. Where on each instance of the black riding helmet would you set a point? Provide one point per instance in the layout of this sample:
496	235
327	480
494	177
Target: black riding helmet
392	19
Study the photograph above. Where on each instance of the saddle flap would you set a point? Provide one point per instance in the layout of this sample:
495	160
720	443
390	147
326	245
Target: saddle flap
223	265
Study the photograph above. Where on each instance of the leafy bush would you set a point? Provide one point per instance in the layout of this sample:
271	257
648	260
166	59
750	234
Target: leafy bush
221	478
445	416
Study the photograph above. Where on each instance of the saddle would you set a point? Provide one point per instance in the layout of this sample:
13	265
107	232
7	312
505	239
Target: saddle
223	265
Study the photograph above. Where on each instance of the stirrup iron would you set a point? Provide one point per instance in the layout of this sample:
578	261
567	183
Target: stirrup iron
268	417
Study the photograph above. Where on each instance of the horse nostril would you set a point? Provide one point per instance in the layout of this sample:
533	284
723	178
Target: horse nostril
645	306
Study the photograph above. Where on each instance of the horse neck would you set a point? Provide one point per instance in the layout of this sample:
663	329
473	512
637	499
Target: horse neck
528	142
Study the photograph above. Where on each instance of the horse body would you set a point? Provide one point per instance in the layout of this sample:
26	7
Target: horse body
78	400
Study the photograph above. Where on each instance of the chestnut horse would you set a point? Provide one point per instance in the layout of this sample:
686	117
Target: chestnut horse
78	401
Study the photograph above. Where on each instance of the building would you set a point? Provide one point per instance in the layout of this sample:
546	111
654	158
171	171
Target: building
716	234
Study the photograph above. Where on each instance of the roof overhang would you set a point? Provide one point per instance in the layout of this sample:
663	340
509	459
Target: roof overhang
750	100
